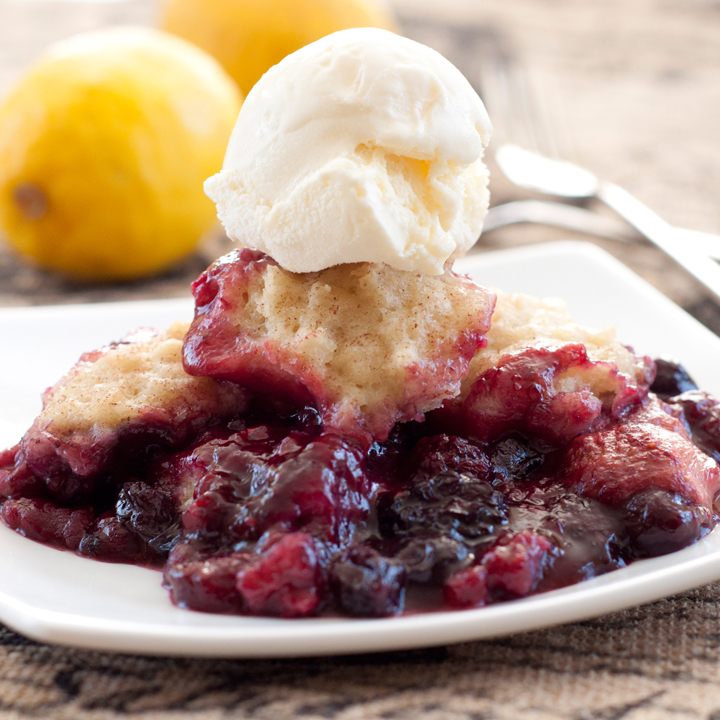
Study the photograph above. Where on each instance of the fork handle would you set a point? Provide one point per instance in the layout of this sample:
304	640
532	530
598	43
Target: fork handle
662	235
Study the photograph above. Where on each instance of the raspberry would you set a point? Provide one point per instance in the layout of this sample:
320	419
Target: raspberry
286	581
467	588
516	566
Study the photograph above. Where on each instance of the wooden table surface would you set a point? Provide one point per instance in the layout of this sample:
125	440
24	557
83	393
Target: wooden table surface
637	85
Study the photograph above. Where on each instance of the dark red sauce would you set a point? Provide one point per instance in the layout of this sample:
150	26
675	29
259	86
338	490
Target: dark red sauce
280	518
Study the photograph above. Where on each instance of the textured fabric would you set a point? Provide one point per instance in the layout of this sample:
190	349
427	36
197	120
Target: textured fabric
659	661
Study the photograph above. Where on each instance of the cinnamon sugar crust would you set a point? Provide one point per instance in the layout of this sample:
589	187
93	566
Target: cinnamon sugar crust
138	382
522	321
544	375
370	344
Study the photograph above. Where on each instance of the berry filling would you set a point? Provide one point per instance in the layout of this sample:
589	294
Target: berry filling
269	513
367	345
350	442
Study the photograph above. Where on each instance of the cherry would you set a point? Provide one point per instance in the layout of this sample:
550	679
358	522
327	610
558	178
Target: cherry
46	522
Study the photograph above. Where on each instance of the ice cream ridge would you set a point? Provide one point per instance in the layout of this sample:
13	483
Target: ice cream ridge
353	178
361	147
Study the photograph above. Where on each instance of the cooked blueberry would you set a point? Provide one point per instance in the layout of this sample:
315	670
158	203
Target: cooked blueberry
365	584
433	560
702	414
514	459
658	522
110	540
671	379
149	512
451	504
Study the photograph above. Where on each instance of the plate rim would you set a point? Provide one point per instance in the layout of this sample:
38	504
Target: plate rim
312	637
320	637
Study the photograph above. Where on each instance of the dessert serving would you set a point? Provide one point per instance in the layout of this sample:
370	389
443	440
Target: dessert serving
348	426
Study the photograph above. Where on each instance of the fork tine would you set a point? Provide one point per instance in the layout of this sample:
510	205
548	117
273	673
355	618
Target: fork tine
494	92
549	119
509	103
525	110
493	57
521	114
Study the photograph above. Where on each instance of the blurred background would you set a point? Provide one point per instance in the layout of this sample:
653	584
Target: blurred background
630	89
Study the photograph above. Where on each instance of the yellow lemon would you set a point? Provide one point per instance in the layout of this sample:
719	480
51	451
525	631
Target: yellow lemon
104	147
250	36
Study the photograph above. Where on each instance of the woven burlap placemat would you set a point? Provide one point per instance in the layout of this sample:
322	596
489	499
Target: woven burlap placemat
659	661
641	87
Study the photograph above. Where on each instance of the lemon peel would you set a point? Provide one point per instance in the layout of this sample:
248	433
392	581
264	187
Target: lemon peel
250	36
104	145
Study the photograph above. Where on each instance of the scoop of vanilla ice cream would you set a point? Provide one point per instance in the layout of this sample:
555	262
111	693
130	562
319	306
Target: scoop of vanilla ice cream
361	147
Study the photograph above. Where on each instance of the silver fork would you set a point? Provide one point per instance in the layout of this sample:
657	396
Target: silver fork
530	157
577	219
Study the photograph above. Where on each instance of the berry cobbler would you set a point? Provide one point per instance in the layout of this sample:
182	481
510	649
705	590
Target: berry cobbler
365	441
348	427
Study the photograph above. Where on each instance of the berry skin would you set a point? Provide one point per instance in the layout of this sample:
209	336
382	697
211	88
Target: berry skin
46	522
671	379
516	566
468	588
286	580
434	560
365	584
657	522
451	504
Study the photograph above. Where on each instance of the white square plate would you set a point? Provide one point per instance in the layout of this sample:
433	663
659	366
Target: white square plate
58	597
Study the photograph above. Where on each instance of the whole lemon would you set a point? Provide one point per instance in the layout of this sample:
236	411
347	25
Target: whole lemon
104	146
250	36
